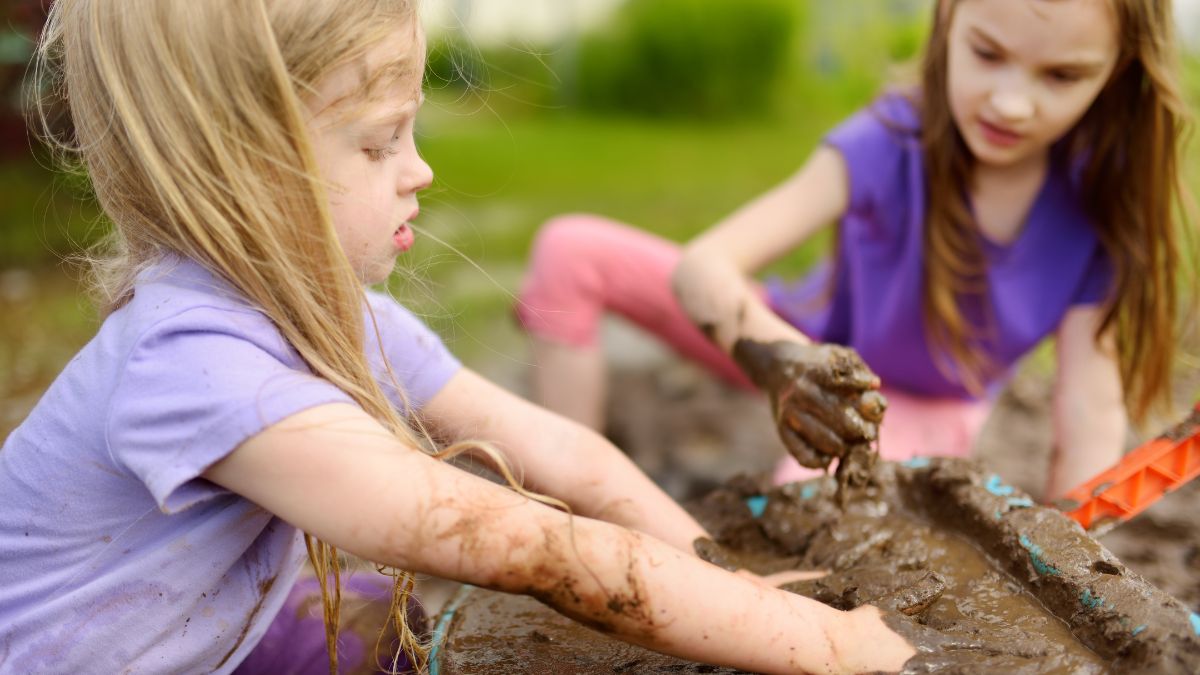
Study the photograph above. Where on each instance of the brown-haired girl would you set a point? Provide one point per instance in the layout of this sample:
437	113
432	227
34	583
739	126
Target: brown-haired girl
248	403
1027	188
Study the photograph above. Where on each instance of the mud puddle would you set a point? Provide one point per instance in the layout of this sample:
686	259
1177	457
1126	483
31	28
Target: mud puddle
971	571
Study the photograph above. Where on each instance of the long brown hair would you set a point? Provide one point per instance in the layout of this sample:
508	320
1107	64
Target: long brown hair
1129	145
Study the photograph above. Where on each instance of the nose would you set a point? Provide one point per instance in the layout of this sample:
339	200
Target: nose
1012	103
417	177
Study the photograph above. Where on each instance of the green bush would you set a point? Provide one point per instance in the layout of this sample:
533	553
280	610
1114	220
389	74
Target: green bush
688	58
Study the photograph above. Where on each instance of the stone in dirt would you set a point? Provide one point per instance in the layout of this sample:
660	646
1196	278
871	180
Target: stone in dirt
968	568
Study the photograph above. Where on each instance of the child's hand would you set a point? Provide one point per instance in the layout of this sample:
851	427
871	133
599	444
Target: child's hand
733	561
780	579
874	641
824	398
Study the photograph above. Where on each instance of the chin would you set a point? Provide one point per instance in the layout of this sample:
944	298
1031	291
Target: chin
985	153
378	273
378	277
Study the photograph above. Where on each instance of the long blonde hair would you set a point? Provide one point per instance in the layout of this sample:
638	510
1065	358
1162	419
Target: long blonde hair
1129	144
188	117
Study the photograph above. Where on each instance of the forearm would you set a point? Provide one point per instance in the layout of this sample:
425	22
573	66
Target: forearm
651	594
583	469
711	280
720	299
1090	430
622	582
1090	423
554	456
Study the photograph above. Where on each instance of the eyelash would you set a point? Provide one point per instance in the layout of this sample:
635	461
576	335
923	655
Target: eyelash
1064	78
380	154
986	55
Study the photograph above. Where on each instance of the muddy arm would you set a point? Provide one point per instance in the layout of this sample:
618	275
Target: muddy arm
559	458
335	473
817	392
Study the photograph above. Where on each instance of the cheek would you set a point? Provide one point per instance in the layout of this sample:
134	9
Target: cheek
964	83
1065	111
363	197
959	96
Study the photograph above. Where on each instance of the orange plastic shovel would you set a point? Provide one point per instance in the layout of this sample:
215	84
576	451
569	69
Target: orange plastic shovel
1141	478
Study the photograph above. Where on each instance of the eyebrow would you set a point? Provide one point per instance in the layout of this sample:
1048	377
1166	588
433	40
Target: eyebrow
394	116
1084	65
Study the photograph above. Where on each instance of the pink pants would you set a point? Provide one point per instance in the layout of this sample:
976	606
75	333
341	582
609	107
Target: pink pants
583	266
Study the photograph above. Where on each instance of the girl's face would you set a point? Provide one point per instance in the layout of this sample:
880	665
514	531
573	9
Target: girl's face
1021	73
370	159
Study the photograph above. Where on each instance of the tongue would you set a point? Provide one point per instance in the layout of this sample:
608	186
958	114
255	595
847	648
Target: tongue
403	238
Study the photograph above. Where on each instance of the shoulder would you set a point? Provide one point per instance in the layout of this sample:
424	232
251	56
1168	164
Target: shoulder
201	371
416	356
192	337
399	320
179	303
881	149
888	125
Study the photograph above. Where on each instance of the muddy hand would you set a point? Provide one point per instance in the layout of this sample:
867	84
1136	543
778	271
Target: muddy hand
824	398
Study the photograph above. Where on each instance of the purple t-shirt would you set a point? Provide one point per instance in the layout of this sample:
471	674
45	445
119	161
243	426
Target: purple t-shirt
115	555
875	305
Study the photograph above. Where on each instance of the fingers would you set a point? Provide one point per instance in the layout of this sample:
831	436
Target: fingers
854	469
800	449
872	405
815	434
790	577
710	551
834	411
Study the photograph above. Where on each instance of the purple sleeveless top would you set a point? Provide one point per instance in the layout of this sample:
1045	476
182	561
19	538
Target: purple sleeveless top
875	306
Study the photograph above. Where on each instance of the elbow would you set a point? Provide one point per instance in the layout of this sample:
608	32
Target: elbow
695	282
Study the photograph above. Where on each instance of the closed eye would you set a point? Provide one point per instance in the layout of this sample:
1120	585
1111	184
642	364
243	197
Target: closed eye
380	154
1064	76
986	55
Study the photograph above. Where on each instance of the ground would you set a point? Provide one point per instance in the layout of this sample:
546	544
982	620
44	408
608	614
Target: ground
690	433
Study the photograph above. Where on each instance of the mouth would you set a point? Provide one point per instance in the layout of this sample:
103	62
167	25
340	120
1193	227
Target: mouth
404	237
998	135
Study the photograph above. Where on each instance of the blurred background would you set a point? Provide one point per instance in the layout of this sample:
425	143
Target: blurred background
664	113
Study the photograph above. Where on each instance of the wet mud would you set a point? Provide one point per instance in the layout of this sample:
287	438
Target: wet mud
968	568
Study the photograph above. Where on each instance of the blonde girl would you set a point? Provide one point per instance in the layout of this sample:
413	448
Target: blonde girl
248	403
1027	188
